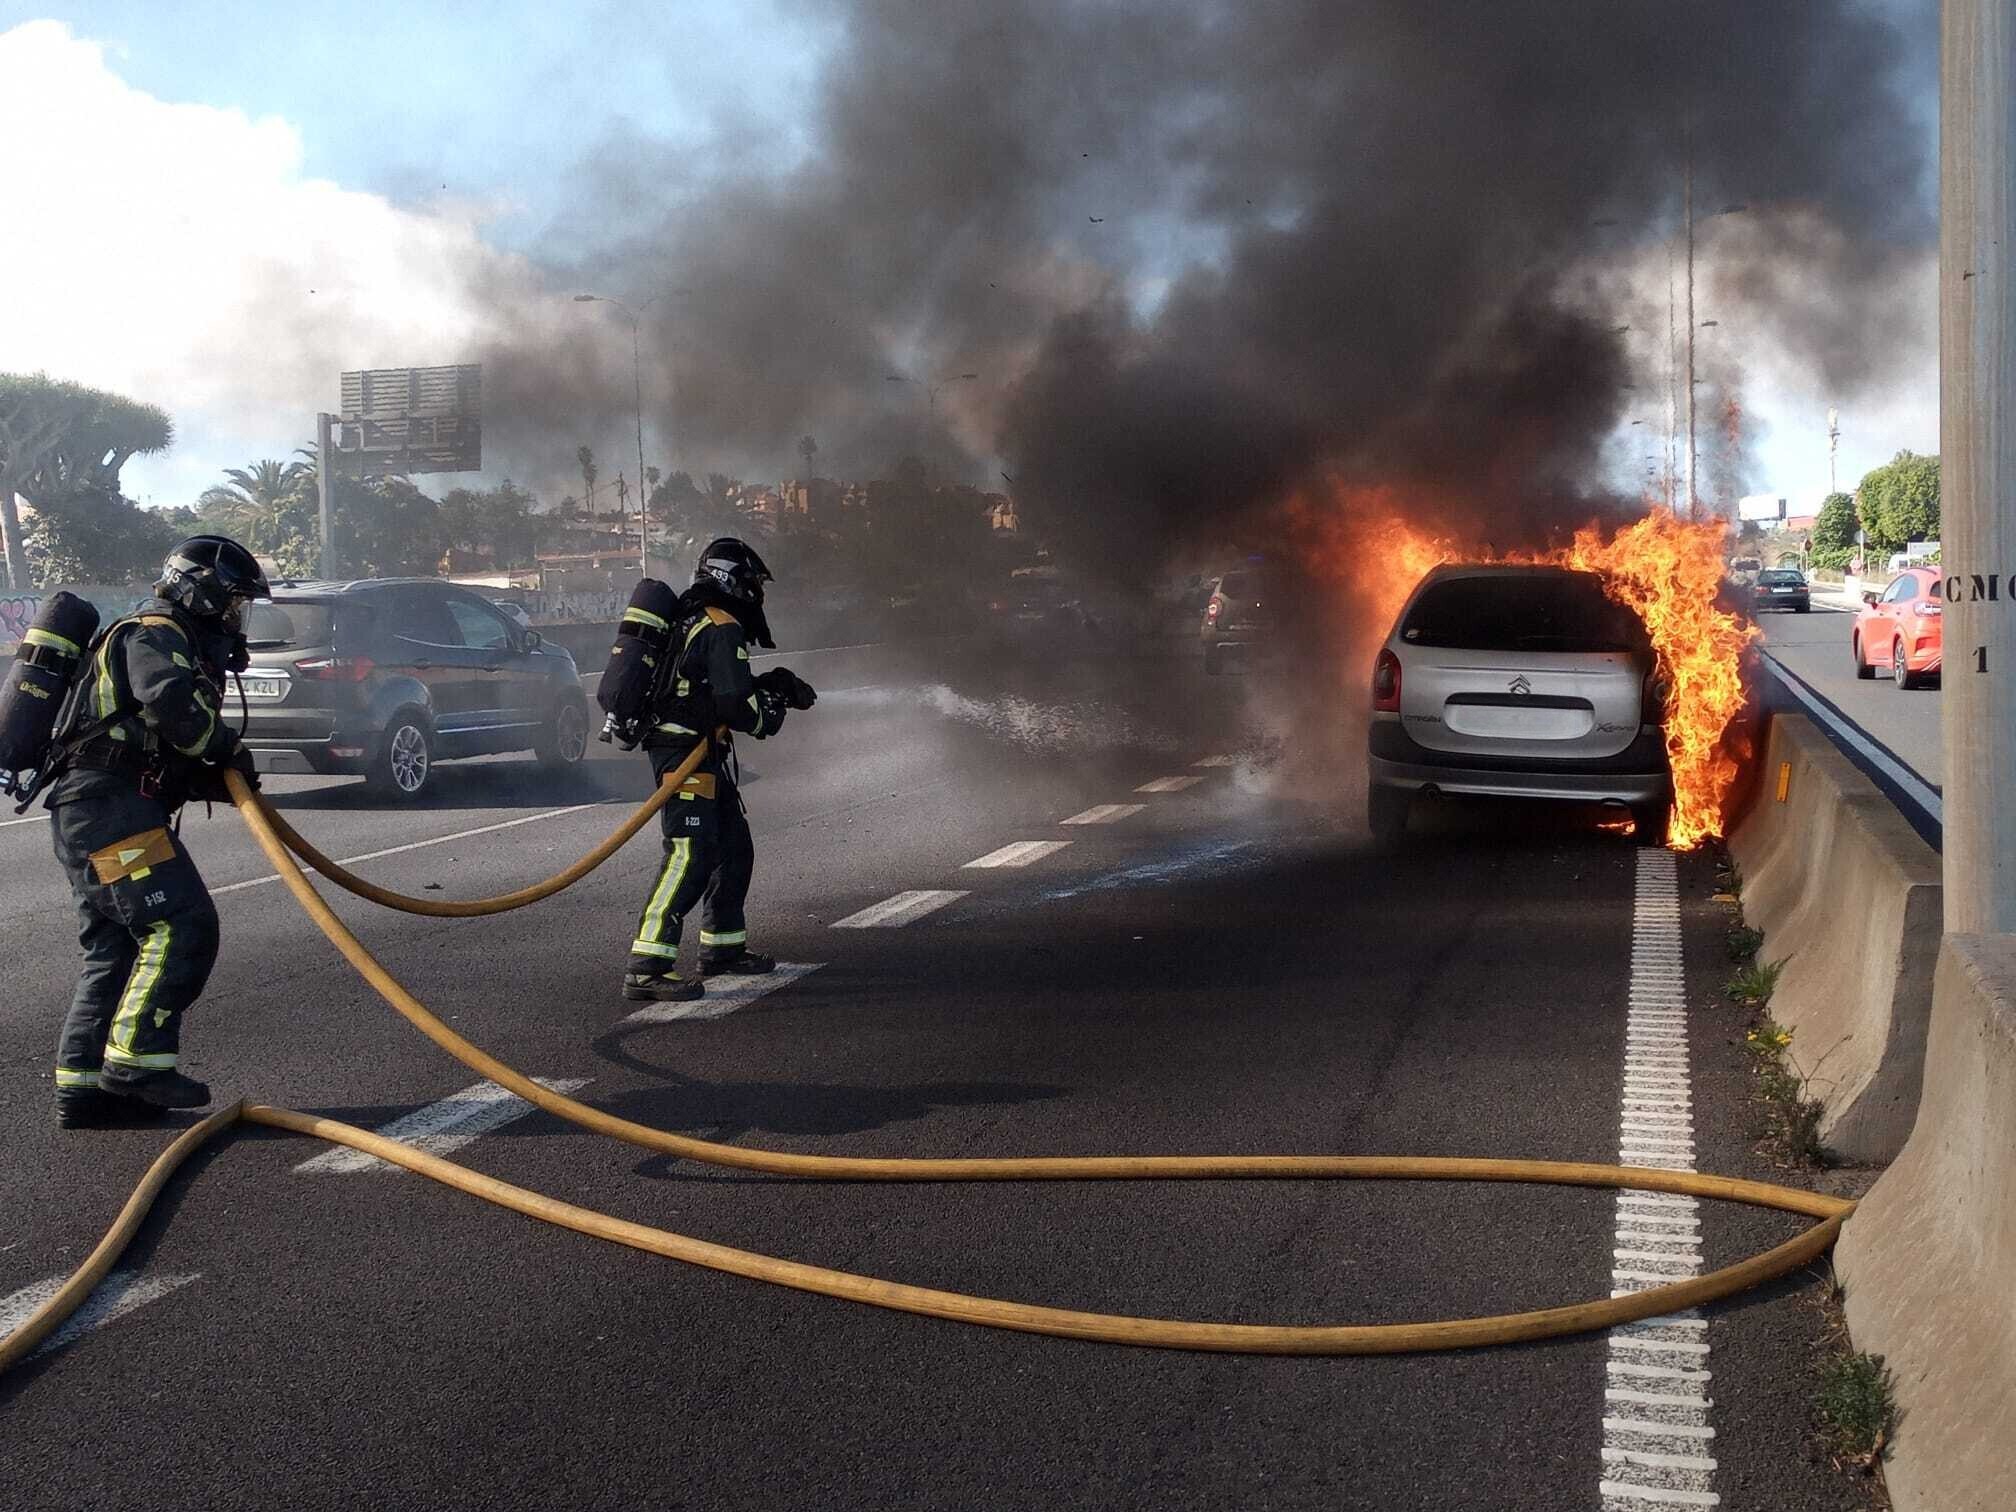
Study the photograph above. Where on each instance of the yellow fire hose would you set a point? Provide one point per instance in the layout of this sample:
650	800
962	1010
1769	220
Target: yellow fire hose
1392	1338
475	908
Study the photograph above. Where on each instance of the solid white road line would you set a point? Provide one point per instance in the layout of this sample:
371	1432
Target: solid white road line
1655	1237
1169	784
1657	1496
117	1295
1020	853
1214	761
31	819
724	1000
1105	813
904	908
397	850
440	1128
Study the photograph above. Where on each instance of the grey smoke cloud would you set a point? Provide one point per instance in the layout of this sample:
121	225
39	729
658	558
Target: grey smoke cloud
1201	253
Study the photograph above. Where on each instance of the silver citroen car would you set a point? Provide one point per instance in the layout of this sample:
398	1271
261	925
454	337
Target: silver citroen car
1517	682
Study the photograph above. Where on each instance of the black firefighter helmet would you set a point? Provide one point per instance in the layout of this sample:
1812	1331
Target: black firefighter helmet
734	567
210	576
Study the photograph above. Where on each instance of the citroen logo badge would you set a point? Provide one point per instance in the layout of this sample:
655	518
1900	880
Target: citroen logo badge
1521	686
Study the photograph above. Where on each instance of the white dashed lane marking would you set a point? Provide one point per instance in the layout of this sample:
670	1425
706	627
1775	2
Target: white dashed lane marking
1170	784
1021	853
904	908
721	1000
1213	761
1655	1422
440	1128
1105	813
117	1295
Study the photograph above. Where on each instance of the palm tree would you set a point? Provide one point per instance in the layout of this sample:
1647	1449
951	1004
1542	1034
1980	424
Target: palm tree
588	475
267	507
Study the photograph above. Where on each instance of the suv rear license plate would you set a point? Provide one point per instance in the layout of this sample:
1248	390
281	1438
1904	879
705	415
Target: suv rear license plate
263	687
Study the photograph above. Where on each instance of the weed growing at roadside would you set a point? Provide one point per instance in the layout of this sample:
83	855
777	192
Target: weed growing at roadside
1753	984
1857	1407
1743	943
1793	1117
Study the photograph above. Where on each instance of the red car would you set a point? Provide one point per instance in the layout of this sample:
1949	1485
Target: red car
1901	629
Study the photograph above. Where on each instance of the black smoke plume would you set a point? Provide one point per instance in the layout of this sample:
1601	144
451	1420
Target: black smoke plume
1202	254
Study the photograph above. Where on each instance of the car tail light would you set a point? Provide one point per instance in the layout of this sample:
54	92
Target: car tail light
1213	609
1654	699
336	668
1386	683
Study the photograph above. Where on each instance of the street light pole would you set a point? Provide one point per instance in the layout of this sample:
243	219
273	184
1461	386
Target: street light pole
636	319
1693	500
1977	447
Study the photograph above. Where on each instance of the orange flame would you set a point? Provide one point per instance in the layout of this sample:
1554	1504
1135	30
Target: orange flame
1666	570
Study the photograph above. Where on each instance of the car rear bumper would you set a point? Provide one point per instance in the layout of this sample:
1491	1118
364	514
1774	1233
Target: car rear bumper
1783	601
308	757
1638	774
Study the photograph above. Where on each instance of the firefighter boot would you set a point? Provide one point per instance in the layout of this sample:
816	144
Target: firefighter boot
736	962
160	1089
89	1108
661	987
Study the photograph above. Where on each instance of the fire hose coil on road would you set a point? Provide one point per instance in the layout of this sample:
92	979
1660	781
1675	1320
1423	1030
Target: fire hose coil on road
275	837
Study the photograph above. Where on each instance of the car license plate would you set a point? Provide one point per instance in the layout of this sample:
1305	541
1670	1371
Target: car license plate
263	687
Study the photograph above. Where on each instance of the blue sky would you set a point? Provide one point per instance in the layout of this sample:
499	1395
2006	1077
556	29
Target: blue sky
495	102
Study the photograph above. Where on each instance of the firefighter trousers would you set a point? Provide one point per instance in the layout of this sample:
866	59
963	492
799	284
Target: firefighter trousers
148	929
709	858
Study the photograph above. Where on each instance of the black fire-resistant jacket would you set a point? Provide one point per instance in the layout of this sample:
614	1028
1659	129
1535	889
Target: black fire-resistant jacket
159	677
711	685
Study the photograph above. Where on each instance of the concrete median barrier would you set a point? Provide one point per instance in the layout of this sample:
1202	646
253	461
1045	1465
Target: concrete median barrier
1929	1257
1848	896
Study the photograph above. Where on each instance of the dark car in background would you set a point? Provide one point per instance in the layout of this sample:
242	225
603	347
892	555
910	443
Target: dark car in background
386	677
1781	588
1238	613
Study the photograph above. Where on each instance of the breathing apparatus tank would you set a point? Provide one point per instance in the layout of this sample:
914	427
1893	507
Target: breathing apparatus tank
37	688
639	657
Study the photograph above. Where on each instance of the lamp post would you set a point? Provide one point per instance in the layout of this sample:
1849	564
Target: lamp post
636	318
1693	501
931	388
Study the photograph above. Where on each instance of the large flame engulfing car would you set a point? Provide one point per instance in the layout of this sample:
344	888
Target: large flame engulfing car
1667	570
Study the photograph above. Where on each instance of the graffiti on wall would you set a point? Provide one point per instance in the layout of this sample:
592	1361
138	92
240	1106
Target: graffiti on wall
18	610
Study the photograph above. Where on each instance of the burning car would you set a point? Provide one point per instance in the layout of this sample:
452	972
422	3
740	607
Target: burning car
1518	681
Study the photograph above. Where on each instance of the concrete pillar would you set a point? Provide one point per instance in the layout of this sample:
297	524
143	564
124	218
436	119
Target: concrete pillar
1977	443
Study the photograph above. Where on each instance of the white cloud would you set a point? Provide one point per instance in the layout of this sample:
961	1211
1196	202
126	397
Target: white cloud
176	254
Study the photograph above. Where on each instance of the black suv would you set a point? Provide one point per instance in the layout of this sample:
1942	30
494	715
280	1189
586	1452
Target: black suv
387	676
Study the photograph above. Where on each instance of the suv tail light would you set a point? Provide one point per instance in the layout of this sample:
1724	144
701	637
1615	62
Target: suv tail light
1213	609
1386	683
336	668
1654	699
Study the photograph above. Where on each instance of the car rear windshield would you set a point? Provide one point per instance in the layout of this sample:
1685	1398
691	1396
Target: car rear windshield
1236	585
1791	579
285	625
1568	612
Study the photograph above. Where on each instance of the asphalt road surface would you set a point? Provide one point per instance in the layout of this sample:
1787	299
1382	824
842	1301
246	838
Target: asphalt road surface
1905	722
1222	964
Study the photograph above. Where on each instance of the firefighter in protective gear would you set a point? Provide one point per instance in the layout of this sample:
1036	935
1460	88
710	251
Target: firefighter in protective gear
709	854
145	733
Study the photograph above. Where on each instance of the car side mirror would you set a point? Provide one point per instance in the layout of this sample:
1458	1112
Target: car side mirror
1869	599
534	640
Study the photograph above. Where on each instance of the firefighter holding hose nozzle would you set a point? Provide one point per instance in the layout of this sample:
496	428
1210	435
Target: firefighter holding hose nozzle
692	654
